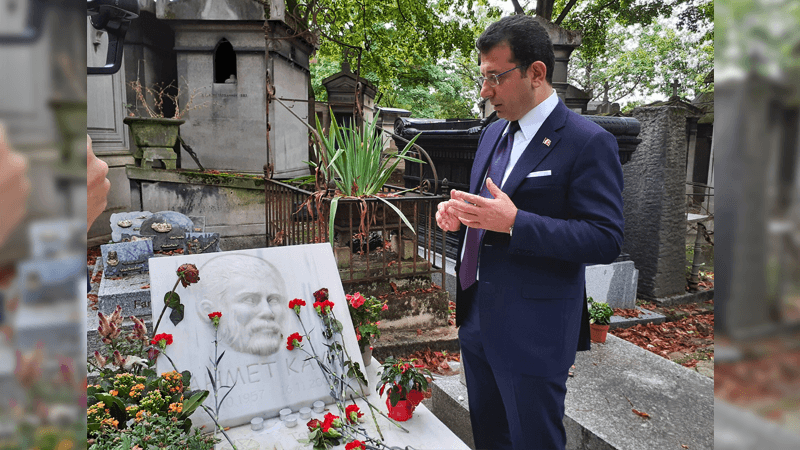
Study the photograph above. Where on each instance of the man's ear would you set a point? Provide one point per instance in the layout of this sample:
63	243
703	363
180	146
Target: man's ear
538	73
206	307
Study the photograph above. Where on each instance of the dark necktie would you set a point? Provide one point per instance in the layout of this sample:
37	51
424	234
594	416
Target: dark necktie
469	263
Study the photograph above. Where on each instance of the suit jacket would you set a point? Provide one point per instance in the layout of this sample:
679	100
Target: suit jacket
531	287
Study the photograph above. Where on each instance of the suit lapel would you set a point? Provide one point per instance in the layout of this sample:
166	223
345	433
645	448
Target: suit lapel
537	149
482	158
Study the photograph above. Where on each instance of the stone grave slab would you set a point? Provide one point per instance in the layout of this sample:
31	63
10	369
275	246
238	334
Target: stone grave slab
197	243
130	292
252	289
126	258
611	380
425	430
58	326
614	283
53	238
119	223
167	235
48	281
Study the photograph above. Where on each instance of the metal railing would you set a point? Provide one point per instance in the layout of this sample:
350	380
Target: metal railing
371	241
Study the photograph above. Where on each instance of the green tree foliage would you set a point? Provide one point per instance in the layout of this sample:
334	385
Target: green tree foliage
644	62
419	53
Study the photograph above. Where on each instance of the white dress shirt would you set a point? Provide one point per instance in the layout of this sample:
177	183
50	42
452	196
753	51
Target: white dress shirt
529	124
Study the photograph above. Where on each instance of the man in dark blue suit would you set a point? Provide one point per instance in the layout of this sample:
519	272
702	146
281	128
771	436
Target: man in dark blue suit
521	301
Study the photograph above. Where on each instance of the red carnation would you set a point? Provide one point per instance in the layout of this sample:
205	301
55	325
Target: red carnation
188	274
296	304
324	307
214	316
162	340
355	445
353	413
330	421
293	341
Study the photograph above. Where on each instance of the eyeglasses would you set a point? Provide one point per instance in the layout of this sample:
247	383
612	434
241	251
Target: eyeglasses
494	79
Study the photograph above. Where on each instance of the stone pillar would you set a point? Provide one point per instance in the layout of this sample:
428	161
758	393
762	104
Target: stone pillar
744	143
564	42
654	201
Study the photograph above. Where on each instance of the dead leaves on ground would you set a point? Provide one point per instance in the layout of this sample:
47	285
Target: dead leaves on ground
687	335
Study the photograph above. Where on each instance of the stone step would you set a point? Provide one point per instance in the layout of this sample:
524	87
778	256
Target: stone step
400	343
610	382
645	317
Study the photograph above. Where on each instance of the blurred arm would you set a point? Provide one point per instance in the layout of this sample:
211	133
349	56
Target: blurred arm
14	187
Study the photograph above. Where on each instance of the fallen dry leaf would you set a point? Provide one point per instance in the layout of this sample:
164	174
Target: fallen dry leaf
640	413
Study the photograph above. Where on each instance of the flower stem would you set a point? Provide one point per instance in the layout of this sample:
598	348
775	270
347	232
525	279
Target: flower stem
165	307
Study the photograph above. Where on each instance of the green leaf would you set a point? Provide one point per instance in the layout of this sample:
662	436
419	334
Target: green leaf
331	217
172	299
190	405
176	316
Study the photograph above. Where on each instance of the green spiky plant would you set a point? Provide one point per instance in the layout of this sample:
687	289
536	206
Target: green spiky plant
353	158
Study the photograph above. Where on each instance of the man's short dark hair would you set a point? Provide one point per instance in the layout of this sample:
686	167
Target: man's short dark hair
528	40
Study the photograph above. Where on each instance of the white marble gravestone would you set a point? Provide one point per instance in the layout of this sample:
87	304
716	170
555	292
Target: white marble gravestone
268	376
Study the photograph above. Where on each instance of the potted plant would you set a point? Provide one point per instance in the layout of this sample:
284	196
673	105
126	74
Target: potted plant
407	383
155	135
599	319
352	163
366	313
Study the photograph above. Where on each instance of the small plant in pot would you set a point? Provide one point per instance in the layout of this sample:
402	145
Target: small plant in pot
599	319
407	386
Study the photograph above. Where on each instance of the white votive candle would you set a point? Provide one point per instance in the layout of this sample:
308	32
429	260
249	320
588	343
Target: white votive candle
291	420
285	412
257	423
319	406
305	412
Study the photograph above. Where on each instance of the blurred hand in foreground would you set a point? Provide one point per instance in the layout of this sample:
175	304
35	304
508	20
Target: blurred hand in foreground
97	185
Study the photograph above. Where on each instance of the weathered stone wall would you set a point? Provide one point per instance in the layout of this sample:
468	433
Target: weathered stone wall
654	201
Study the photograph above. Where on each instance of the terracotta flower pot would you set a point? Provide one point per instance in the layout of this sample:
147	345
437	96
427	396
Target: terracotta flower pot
402	411
415	397
598	333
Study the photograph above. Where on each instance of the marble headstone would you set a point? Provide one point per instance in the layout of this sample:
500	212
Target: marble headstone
614	284
197	243
167	234
126	258
254	328
48	281
127	222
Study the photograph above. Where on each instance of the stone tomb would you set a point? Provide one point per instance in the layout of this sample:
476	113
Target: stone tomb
129	288
254	327
614	284
128	223
167	230
126	258
197	243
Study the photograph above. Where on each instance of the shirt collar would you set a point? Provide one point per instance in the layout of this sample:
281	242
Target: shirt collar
530	123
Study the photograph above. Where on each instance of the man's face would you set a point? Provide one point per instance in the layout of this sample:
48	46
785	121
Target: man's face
514	96
258	308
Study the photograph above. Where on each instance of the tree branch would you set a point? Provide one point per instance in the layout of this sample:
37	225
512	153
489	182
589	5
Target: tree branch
565	11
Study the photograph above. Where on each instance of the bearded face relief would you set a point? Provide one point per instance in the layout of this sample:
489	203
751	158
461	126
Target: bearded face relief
251	292
258	316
